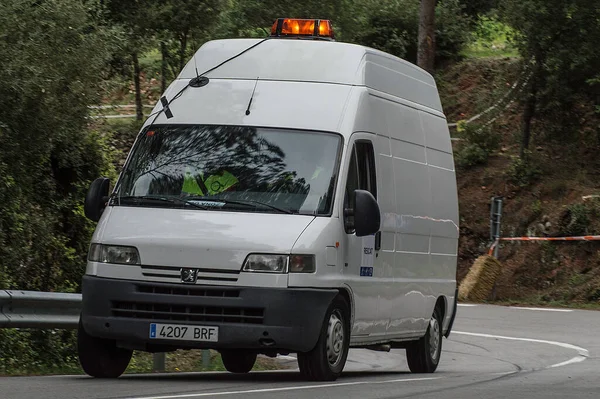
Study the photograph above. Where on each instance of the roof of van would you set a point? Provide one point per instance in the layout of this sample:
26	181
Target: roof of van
315	61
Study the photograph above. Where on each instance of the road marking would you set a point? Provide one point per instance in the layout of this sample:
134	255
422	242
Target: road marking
576	359
583	353
542	309
467	305
292	388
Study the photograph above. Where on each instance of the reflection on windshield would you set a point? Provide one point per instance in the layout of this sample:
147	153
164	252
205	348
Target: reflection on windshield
286	169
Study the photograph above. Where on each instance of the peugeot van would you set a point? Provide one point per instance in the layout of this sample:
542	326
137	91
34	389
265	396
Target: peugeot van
291	194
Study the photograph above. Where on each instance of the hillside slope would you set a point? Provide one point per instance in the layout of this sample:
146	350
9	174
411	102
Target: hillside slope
544	198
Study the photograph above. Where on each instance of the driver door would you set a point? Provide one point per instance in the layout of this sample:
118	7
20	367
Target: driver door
362	268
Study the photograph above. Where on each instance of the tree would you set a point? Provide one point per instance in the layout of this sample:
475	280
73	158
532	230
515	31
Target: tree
426	52
559	38
393	26
137	19
52	59
475	8
181	23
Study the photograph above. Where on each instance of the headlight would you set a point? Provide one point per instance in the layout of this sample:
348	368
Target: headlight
114	254
279	263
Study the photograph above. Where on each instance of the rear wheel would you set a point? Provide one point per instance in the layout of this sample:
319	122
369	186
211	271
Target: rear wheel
101	358
423	356
238	361
327	359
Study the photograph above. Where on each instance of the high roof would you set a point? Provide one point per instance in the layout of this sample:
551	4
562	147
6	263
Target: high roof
315	61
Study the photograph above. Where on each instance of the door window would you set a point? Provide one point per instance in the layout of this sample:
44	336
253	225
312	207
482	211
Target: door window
361	175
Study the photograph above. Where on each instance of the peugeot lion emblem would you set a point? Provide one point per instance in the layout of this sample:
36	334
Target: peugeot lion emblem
189	276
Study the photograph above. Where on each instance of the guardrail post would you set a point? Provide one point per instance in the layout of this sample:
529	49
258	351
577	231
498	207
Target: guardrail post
495	221
205	358
495	229
158	362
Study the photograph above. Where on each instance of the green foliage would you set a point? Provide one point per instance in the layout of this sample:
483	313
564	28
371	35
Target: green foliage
53	57
561	37
451	30
491	37
548	253
34	351
574	220
523	172
392	26
536	208
470	155
479	7
476	146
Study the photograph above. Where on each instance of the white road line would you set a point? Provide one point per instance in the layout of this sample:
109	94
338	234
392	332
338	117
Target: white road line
541	309
576	359
292	388
467	305
583	353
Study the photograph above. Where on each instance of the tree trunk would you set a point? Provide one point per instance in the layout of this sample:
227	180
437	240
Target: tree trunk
139	111
163	66
529	111
183	47
426	48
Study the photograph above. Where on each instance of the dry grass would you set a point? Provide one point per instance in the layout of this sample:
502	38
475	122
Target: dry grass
479	282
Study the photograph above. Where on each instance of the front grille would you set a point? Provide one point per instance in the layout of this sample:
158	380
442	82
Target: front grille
204	274
189	291
165	312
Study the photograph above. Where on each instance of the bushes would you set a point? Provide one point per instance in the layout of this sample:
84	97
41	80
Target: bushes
52	57
477	145
574	220
523	172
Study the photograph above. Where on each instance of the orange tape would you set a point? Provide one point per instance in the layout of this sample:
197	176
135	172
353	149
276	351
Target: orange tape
577	238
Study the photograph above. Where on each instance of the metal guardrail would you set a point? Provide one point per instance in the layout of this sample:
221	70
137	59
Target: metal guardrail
34	309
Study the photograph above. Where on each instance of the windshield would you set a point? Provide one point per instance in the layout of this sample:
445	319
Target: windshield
232	168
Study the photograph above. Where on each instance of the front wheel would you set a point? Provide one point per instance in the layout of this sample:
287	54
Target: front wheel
238	361
101	358
327	359
423	356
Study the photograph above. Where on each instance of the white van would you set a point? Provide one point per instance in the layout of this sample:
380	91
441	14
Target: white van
285	196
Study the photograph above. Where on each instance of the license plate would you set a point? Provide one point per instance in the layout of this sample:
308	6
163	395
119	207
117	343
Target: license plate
184	332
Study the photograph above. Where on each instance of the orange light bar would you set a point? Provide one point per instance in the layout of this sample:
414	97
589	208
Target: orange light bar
314	28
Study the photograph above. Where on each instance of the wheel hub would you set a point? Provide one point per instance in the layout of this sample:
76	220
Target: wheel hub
335	340
434	338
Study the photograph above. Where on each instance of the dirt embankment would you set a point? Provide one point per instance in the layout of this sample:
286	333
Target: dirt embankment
546	198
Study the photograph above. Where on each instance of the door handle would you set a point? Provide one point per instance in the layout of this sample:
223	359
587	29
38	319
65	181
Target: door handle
378	241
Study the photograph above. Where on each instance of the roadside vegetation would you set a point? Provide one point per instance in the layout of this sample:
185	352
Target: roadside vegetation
528	70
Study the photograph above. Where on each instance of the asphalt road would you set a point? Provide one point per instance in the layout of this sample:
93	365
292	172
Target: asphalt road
494	352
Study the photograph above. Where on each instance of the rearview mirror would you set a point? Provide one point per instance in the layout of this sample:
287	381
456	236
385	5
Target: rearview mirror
367	216
95	200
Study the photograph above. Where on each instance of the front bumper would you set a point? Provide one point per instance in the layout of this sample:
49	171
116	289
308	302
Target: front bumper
266	319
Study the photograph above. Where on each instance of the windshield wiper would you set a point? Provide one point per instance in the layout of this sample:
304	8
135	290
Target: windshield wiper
245	202
173	200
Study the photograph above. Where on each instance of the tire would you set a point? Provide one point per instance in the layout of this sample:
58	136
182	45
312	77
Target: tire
327	359
101	358
238	361
423	356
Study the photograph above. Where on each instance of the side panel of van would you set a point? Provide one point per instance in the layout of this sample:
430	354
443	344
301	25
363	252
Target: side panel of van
417	195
